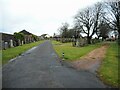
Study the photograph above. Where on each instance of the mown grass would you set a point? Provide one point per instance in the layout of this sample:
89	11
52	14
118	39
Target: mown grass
16	51
72	53
109	68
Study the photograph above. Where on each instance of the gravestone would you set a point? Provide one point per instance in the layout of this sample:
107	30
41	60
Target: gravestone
6	45
11	43
74	43
77	43
19	43
81	42
22	42
3	45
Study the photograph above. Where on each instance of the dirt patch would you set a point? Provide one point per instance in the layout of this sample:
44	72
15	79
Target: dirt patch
92	60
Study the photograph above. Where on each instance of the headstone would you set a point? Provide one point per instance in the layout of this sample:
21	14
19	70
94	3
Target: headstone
19	43
77	43
22	43
82	41
11	43
3	45
6	45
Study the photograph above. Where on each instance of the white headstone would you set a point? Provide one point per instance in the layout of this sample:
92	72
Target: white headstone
11	43
22	42
77	43
6	45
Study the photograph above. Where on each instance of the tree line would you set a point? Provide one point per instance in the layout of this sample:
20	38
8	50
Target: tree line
98	19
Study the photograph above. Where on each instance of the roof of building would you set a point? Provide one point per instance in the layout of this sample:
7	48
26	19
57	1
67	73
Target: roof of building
25	32
7	37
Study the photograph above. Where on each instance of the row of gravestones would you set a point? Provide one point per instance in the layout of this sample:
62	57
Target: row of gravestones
83	41
64	40
77	42
11	43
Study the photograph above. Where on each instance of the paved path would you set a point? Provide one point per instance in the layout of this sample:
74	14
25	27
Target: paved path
40	68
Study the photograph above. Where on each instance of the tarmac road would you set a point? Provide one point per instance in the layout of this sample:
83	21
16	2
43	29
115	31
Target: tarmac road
39	67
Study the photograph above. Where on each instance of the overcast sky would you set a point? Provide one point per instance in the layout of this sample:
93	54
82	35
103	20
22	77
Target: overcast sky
39	16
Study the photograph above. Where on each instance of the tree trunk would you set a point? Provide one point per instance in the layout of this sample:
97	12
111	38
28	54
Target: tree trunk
102	39
89	40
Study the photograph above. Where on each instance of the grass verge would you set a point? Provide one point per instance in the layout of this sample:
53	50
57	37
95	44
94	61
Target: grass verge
108	71
16	51
72	53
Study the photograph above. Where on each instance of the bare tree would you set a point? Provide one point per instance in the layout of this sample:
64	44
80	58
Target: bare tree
113	15
64	30
103	30
84	22
88	20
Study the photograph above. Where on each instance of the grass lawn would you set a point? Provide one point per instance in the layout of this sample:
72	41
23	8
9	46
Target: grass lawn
72	53
109	68
16	51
